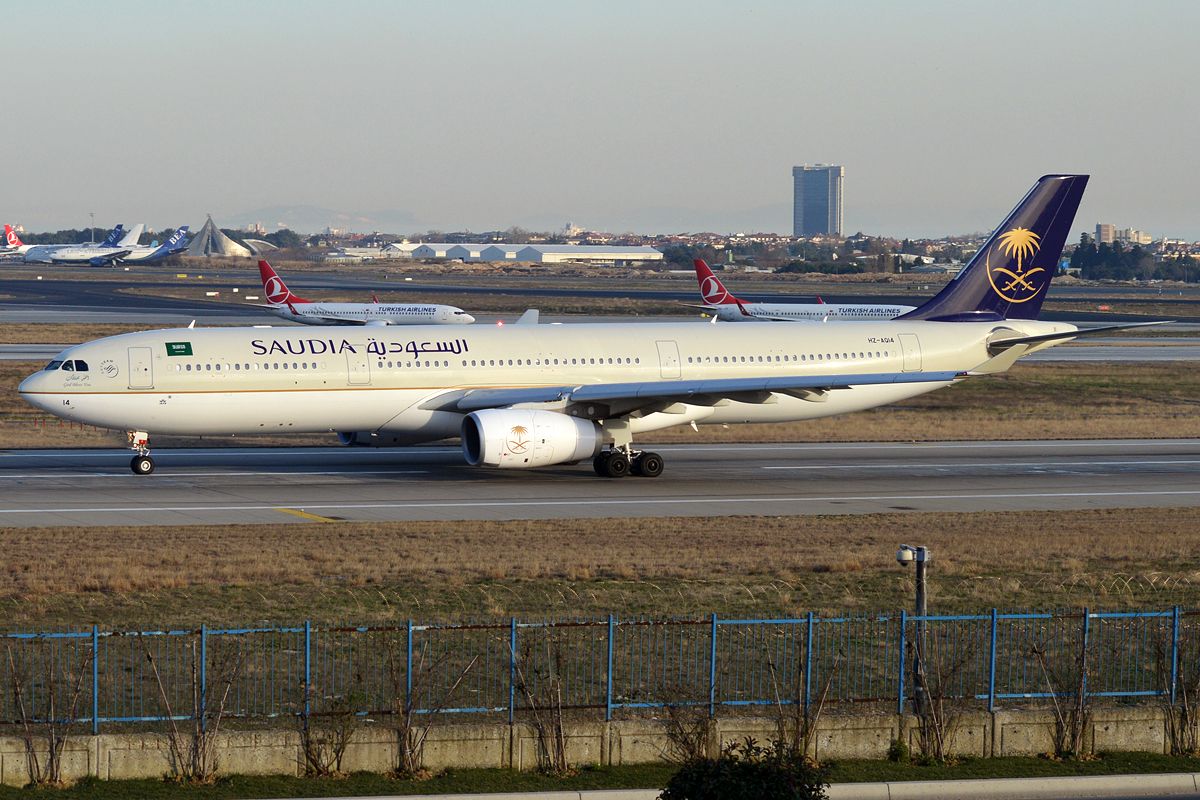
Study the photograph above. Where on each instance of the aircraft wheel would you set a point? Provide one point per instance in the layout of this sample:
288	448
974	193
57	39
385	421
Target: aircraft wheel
648	465
616	464
142	465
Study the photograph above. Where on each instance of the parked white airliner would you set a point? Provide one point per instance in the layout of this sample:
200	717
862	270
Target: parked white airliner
722	304
525	396
284	304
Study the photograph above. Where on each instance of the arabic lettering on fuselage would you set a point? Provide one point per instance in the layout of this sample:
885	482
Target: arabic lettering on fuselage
316	347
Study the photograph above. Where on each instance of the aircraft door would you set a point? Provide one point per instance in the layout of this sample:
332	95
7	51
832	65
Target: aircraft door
141	368
668	359
358	369
911	346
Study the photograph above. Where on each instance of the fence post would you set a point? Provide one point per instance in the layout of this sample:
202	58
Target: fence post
203	677
512	667
712	670
95	680
992	668
808	663
1083	675
408	667
608	703
903	648
307	667
1174	651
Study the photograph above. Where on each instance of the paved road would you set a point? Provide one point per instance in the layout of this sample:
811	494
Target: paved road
89	487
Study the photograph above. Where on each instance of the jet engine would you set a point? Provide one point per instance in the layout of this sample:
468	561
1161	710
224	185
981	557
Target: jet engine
521	438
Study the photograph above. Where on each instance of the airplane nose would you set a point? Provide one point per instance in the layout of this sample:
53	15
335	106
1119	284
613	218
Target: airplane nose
467	318
30	390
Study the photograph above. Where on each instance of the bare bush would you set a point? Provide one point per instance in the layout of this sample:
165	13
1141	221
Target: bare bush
44	735
192	753
1066	681
539	681
418	704
687	728
796	721
325	736
1180	700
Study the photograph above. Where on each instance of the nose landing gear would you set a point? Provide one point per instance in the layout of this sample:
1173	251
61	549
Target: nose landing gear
142	463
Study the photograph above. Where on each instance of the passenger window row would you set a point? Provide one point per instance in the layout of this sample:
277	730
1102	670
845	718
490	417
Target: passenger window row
802	358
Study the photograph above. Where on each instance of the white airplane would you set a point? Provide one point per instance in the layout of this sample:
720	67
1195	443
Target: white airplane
721	304
149	254
130	239
524	396
41	253
121	252
288	306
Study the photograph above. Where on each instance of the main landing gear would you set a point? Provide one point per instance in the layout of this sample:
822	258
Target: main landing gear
617	463
142	463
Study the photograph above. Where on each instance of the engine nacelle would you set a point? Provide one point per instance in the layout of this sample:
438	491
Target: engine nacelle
519	439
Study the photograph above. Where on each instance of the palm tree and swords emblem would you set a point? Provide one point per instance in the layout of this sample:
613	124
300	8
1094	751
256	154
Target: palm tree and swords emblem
1021	244
520	441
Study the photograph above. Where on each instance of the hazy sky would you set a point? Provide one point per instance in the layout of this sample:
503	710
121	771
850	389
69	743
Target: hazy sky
644	116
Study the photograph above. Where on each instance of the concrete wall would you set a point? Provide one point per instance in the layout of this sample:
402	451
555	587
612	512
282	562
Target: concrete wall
639	741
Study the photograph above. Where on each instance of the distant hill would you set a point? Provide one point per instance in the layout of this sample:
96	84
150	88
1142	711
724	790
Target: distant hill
315	219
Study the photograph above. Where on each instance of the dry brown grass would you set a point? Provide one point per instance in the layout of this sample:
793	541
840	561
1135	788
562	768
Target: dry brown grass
73	333
458	570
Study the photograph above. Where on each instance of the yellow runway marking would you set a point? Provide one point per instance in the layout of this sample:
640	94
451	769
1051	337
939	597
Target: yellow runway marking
305	515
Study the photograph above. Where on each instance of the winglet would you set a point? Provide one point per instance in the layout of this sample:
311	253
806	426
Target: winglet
530	317
711	288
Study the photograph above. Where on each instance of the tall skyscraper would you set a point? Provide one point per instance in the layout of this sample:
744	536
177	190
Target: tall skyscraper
817	199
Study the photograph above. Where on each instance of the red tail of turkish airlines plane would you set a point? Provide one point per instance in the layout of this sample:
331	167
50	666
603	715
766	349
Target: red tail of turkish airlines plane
275	290
711	288
10	236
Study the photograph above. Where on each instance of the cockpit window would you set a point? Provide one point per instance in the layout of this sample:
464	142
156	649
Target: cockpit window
80	366
69	366
53	365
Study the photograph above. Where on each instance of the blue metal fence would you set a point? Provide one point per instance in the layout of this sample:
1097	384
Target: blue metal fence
100	677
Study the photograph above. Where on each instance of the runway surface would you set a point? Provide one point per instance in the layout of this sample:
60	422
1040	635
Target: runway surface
300	485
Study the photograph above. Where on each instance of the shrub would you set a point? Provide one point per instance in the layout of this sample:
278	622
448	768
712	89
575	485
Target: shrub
748	771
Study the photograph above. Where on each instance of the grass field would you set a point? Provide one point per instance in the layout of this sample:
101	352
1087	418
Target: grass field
440	571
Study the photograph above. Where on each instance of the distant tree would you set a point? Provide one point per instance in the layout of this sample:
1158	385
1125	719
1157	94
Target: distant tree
285	238
684	254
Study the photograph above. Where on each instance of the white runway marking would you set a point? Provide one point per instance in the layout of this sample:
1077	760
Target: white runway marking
129	474
995	464
60	509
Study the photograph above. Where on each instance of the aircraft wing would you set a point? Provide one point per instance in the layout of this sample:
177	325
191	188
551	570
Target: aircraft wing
617	399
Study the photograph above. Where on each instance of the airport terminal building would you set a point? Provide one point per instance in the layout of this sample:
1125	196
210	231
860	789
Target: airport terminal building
597	255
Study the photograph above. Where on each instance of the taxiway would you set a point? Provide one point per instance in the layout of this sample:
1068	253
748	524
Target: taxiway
256	485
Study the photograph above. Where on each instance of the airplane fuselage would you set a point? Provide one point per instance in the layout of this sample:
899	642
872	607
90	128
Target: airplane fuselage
807	311
263	380
371	313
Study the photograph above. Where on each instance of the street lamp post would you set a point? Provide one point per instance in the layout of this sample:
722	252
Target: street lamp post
920	556
92	229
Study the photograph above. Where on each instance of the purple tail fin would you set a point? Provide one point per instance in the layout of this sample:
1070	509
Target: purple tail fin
1009	276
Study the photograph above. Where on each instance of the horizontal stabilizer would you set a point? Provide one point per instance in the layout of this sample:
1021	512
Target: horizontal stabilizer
1004	344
